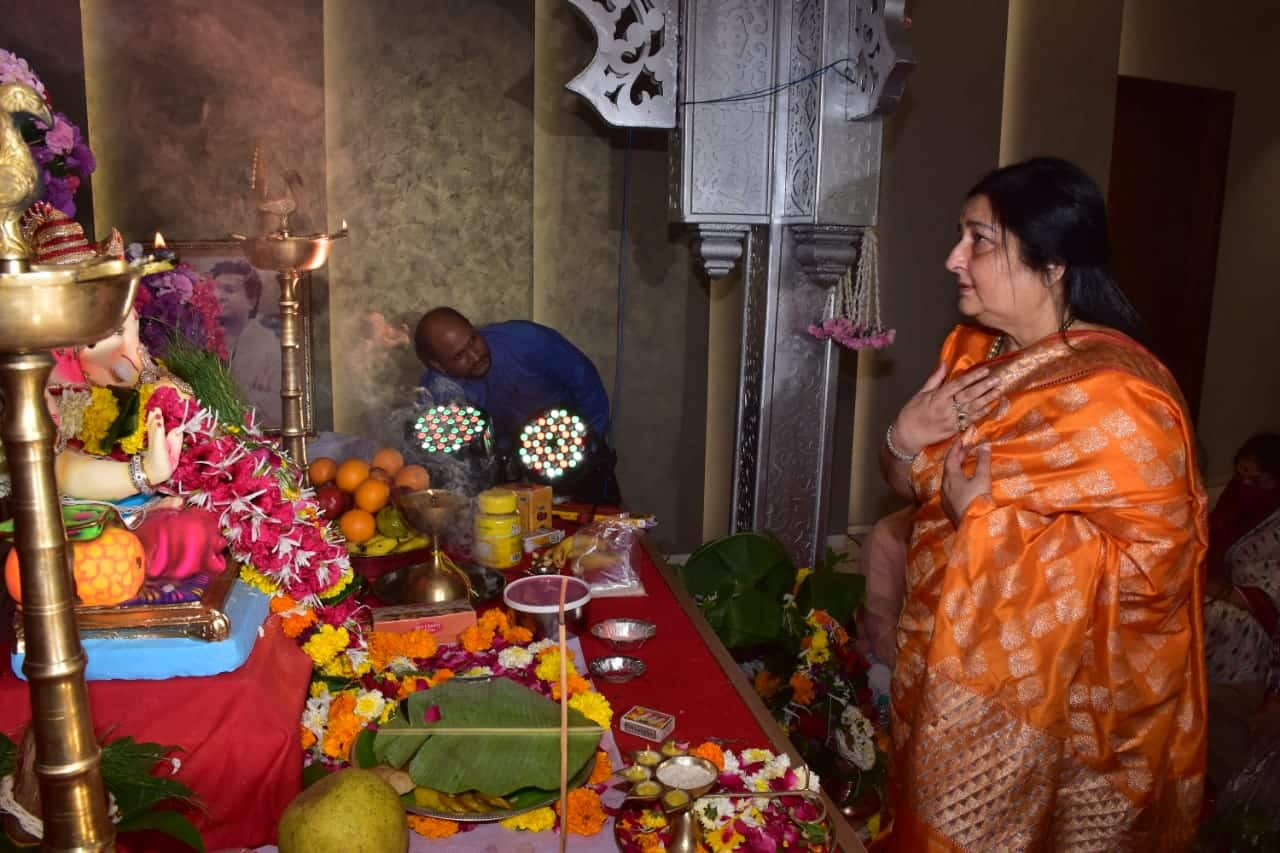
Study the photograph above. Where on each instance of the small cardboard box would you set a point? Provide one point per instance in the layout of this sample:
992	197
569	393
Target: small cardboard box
534	505
446	621
647	723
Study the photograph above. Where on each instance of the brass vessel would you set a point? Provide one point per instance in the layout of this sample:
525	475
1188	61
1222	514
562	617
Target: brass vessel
429	511
290	255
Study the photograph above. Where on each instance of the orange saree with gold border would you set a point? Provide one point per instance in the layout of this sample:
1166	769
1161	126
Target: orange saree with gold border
1050	689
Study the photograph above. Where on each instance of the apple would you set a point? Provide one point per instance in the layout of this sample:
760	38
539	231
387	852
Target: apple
333	501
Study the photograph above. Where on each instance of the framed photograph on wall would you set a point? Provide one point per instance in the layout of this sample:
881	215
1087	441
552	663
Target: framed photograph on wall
250	302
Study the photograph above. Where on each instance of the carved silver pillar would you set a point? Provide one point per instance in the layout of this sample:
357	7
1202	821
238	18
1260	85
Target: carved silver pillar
783	175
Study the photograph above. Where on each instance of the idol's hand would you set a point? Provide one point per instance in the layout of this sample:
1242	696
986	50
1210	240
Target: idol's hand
958	489
940	409
161	455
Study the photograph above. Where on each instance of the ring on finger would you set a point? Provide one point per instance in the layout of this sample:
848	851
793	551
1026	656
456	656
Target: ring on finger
962	419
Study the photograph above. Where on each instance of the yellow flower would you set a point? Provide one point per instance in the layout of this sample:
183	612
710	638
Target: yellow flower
725	839
538	820
318	689
594	707
258	580
370	704
818	640
819	655
652	820
345	578
100	414
325	644
801	574
549	667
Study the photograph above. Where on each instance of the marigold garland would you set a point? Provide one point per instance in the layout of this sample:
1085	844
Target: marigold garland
767	684
586	812
430	827
577	684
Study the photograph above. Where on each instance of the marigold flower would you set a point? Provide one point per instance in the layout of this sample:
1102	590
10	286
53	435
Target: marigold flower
439	677
767	684
517	636
603	769
586	812
295	623
477	638
711	752
594	707
431	827
577	684
308	739
343	726
803	687
282	603
538	820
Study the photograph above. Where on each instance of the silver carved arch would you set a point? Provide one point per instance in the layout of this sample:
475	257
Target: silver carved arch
775	166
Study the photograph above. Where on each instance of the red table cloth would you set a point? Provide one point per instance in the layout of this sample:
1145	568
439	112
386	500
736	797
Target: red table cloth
238	732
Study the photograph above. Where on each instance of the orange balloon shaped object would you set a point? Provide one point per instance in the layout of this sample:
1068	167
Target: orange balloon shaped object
107	570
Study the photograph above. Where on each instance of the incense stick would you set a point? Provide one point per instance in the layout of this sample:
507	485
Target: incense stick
564	723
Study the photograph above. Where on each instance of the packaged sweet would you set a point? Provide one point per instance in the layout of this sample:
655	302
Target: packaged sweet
600	554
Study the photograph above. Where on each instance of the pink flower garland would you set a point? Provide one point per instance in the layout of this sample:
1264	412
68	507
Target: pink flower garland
271	522
843	331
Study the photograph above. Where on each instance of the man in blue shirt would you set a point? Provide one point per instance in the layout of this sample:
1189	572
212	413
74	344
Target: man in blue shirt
513	371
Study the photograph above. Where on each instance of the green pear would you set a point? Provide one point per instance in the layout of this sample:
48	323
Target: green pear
351	811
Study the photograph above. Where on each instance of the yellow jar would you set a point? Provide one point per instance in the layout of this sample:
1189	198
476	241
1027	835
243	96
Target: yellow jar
497	531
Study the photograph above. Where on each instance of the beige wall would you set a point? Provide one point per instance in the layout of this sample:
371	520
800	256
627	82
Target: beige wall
944	135
1233	46
1060	82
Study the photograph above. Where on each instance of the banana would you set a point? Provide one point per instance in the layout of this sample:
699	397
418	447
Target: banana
412	543
377	546
474	803
429	798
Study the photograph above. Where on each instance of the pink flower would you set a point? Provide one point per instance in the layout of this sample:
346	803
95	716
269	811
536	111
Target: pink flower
431	715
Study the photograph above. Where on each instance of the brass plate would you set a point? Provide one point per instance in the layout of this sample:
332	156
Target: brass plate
200	620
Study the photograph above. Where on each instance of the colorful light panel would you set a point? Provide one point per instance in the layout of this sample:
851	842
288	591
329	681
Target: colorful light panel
449	428
553	445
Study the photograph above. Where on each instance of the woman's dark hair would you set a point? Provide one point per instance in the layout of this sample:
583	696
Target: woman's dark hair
1059	217
1263	448
252	283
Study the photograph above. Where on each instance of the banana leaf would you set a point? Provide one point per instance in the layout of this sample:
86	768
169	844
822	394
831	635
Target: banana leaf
493	763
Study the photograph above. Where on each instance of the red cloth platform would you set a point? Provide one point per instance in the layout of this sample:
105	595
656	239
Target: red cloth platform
239	733
240	730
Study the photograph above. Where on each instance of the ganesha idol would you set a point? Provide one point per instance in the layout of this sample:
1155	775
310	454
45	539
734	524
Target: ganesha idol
112	443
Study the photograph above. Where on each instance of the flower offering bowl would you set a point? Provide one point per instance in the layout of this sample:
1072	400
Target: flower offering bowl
624	634
618	668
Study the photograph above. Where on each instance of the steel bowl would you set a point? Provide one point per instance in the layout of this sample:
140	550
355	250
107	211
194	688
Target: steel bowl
624	635
617	668
688	762
535	599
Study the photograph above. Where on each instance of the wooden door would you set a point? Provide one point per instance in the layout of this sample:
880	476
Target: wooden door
1168	177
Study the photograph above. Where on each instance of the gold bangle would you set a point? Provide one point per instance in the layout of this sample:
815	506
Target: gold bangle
894	451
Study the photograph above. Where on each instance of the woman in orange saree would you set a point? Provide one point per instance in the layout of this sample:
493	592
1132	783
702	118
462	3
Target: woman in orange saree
1050	691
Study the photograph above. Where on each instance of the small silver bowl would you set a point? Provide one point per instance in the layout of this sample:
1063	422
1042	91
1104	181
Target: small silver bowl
617	668
624	635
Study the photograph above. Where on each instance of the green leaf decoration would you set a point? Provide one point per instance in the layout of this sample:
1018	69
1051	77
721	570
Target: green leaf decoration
838	593
493	763
363	752
744	559
126	770
751	617
209	377
127	403
170	823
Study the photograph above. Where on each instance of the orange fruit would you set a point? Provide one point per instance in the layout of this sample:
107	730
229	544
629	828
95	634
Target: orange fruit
388	459
351	473
107	570
322	471
372	495
413	478
357	525
376	473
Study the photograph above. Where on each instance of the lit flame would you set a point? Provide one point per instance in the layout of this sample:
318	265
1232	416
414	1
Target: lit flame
160	243
344	225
